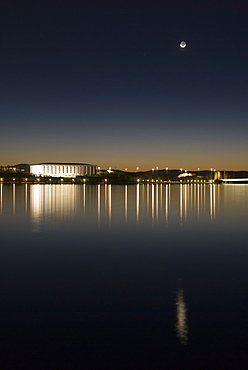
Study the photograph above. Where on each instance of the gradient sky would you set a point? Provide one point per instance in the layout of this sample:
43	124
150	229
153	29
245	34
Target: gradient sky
105	82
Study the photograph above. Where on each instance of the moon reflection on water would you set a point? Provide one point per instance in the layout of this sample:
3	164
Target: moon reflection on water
181	324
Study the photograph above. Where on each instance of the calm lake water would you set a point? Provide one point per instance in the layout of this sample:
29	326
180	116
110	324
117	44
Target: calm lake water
134	277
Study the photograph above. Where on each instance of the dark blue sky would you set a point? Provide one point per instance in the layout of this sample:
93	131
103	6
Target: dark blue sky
108	83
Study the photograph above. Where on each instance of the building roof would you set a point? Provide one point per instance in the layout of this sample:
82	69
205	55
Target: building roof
62	164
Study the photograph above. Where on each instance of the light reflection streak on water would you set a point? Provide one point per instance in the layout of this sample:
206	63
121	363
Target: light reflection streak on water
147	198
73	196
166	203
181	311
99	204
181	204
125	202
152	203
110	202
185	193
105	198
14	198
161	197
84	198
26	198
212	200
137	202
204	197
36	201
198	200
1	198
156	202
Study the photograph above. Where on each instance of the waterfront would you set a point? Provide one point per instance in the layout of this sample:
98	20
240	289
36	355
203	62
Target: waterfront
139	276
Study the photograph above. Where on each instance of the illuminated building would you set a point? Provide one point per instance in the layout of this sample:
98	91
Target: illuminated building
186	174
63	169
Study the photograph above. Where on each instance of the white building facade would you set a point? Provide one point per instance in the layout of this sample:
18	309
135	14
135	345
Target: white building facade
63	169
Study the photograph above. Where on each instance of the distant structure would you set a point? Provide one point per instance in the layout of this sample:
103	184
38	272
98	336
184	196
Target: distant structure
217	175
186	174
63	169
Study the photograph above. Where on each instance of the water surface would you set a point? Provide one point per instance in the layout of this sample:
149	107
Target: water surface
138	276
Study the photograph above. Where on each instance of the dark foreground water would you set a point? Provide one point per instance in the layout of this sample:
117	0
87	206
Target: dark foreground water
133	277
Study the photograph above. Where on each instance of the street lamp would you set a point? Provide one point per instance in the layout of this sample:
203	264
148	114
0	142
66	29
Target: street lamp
166	170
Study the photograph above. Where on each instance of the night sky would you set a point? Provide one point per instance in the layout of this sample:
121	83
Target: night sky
105	82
